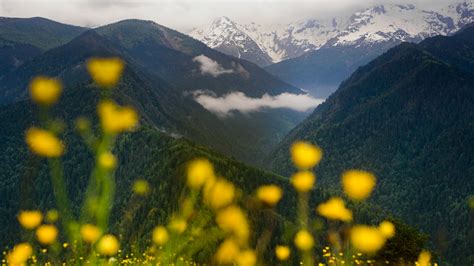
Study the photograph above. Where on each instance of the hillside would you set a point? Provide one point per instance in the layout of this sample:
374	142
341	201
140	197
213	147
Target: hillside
163	63
407	115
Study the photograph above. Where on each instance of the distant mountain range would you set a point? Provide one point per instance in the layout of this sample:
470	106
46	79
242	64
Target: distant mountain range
351	41
408	116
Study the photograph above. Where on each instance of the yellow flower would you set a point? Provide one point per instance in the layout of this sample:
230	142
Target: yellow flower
335	209
304	240
46	234
366	238
282	252
424	258
45	91
90	233
20	254
30	219
305	155
178	225
247	258
387	229
227	252
303	181
105	71
107	160
160	235
269	194
218	193
116	119
141	187
44	143
358	184
108	245
232	219
199	171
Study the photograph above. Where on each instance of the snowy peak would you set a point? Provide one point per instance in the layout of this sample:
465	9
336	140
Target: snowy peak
265	44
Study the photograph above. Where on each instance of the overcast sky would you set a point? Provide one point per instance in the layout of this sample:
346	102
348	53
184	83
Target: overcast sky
186	14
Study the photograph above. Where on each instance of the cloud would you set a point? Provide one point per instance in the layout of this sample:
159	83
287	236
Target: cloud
211	67
238	101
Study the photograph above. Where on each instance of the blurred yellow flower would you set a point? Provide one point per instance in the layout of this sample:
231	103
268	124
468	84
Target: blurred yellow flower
335	209
105	71
44	143
424	258
232	219
108	245
45	91
247	258
52	216
219	193
282	252
387	228
366	238
160	235
115	118
227	252
141	187
305	155
107	160
178	225
46	234
30	219
358	184
90	233
20	254
269	194
304	240
199	171
303	181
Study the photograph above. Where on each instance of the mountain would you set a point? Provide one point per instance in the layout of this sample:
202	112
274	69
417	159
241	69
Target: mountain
408	116
163	64
24	38
303	51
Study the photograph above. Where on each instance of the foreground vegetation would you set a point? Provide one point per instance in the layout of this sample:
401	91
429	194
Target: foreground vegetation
208	219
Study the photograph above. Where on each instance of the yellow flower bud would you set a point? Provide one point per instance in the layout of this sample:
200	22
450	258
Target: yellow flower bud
247	258
178	225
232	219
282	252
303	181
387	229
90	233
219	193
107	160
52	216
227	252
20	254
108	245
116	119
44	143
141	187
105	71
424	258
160	235
45	91
335	209
30	219
305	155
304	240
46	234
269	194
199	171
358	184
366	238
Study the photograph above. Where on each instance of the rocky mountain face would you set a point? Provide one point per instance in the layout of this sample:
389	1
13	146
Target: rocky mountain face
266	44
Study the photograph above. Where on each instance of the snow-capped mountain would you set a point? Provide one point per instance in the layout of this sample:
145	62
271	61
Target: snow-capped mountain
266	44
